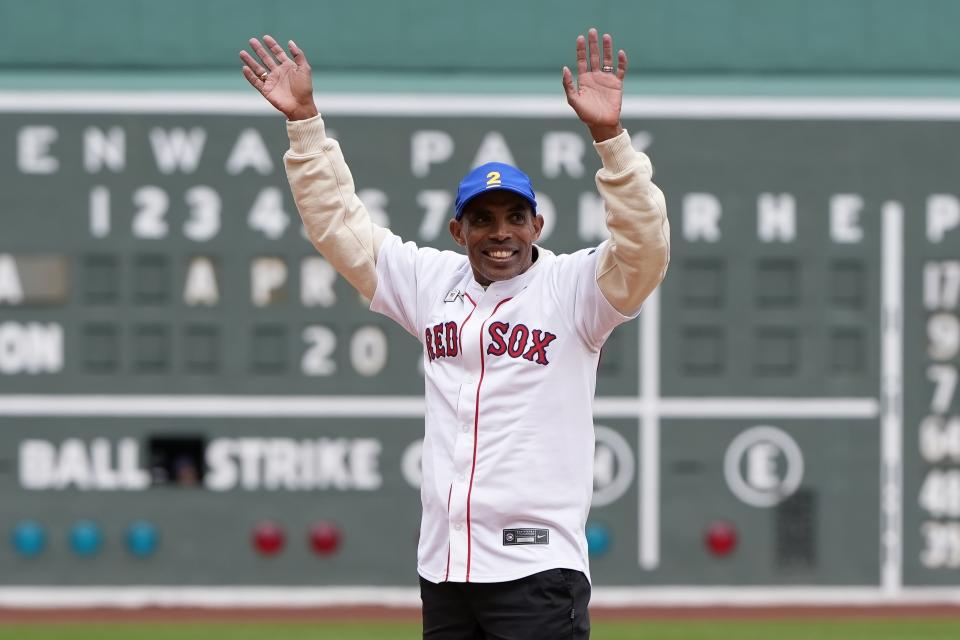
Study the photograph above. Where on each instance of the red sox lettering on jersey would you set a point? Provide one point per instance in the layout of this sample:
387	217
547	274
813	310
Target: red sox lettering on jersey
509	377
442	341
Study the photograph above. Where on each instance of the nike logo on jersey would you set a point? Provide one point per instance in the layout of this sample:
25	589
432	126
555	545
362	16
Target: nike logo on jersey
521	342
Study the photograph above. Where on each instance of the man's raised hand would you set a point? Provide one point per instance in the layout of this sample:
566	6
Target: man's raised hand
285	83
598	94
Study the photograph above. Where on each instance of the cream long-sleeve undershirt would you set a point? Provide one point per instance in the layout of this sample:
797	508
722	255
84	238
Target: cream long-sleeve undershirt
631	266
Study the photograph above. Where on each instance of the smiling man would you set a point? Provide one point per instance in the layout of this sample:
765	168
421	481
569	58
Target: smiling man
511	338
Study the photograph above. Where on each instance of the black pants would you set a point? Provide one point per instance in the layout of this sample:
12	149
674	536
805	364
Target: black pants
551	605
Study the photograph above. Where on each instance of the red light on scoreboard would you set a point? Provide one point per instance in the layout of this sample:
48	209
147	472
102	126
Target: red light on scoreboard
324	538
721	538
268	538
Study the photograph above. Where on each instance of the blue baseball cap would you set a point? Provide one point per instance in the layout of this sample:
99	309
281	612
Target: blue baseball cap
494	176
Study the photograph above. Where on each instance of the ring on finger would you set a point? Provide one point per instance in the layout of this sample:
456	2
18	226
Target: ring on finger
263	76
606	68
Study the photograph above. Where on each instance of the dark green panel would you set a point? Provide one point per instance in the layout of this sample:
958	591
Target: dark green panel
355	482
674	36
757	312
821	531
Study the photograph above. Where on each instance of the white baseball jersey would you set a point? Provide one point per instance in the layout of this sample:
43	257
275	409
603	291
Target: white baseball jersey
510	376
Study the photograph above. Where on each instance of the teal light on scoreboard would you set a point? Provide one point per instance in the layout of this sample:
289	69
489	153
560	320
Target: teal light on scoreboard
174	352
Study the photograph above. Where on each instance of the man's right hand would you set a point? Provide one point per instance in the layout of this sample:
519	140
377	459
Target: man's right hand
285	83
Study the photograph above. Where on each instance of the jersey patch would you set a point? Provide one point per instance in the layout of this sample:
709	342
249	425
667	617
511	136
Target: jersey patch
513	537
453	295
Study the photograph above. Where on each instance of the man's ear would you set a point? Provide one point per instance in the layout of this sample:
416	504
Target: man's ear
456	230
537	226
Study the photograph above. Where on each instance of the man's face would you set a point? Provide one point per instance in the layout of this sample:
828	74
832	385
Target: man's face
498	229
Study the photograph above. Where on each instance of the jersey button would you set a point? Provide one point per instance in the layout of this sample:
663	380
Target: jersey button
458	526
464	428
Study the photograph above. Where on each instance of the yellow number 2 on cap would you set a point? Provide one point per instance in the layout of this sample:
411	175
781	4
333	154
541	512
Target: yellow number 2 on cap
493	179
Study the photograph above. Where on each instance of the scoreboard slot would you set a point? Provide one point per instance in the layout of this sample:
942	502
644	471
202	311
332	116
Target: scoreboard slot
176	460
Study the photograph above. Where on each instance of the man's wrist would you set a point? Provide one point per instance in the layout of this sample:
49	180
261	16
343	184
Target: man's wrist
304	112
605	132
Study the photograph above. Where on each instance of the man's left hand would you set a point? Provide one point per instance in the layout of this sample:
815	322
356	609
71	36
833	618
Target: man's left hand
598	95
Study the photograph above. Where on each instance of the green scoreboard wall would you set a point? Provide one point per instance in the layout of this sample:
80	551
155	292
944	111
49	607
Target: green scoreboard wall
174	352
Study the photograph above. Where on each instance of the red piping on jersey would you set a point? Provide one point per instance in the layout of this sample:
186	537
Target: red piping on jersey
476	428
446	574
466	320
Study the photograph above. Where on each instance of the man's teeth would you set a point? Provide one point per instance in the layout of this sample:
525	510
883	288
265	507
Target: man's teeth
500	254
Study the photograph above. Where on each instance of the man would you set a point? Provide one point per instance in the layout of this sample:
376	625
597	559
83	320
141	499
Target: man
511	334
